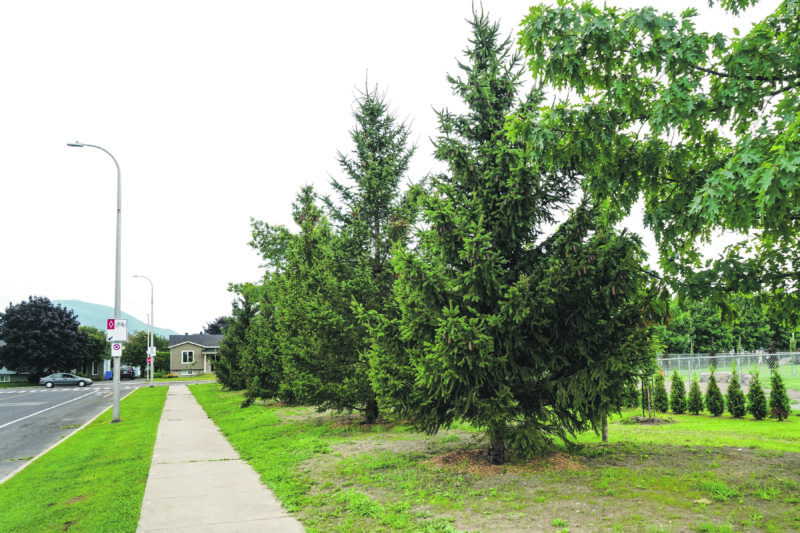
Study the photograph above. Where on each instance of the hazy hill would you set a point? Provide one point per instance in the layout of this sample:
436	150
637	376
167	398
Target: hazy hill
96	315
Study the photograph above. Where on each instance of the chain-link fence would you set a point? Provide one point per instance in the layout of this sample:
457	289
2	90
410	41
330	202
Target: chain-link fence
787	363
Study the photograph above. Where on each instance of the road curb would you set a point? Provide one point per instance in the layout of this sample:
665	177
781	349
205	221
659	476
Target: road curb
28	463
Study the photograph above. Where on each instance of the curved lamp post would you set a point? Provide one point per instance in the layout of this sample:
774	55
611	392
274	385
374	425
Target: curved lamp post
150	342
117	290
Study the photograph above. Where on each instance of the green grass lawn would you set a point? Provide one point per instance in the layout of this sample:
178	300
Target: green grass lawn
92	482
700	473
14	384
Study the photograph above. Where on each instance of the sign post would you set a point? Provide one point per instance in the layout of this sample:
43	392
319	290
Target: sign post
116	334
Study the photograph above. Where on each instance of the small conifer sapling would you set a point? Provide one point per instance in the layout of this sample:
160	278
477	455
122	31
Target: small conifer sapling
756	401
715	403
695	402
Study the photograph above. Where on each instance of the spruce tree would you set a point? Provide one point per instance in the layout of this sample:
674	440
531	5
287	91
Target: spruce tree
715	402
695	402
677	394
756	400
525	335
780	406
737	404
660	396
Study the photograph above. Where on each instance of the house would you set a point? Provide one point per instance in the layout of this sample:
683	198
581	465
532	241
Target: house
193	354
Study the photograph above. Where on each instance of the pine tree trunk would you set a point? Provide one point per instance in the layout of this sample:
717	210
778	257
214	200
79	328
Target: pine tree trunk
604	431
371	412
497	450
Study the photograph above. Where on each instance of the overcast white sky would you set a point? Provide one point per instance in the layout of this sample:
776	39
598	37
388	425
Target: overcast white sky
216	112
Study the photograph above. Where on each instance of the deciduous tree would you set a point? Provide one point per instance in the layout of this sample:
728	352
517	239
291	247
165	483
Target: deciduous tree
705	127
40	337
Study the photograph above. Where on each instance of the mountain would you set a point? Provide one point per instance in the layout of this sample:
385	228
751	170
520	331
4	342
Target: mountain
96	315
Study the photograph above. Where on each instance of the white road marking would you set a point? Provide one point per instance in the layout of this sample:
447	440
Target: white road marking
43	410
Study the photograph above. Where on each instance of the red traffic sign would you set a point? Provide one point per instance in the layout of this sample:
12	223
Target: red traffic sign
149	360
110	323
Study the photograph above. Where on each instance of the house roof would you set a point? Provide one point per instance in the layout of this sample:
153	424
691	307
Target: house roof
206	341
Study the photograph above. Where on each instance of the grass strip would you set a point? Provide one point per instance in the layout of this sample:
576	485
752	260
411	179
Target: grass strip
706	430
341	477
92	482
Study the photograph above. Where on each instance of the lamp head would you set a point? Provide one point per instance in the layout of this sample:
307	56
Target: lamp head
76	144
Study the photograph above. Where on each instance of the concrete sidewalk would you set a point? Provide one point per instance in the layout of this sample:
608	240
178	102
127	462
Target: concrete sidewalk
199	483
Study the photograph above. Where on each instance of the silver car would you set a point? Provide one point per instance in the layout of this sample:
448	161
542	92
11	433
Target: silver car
63	378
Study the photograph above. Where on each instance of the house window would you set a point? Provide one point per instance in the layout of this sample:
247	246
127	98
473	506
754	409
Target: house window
186	372
187	357
94	369
5	378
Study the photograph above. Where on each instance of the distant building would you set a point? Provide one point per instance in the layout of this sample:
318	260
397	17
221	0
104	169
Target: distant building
193	354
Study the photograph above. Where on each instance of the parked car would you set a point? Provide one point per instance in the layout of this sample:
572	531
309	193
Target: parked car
126	372
63	378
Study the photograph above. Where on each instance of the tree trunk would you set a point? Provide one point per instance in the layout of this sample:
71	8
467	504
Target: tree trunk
604	431
371	412
497	450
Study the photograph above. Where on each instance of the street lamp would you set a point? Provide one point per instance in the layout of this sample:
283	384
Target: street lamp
150	344
117	290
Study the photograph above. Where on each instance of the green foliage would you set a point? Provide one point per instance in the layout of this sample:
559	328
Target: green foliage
695	403
737	405
779	405
525	335
306	344
677	394
41	337
715	402
96	349
660	396
135	351
234	345
756	400
703	126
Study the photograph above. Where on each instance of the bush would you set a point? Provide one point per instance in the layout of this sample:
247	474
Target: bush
737	406
677	394
779	405
660	399
756	401
695	403
715	403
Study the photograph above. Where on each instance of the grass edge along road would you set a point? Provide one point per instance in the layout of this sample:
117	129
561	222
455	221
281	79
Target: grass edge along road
93	481
694	475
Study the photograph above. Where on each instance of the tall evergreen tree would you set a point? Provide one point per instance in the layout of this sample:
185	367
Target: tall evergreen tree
677	394
660	396
316	334
525	336
372	215
737	405
756	400
234	345
780	406
695	402
715	402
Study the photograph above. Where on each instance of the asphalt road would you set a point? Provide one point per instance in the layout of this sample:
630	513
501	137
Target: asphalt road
34	418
